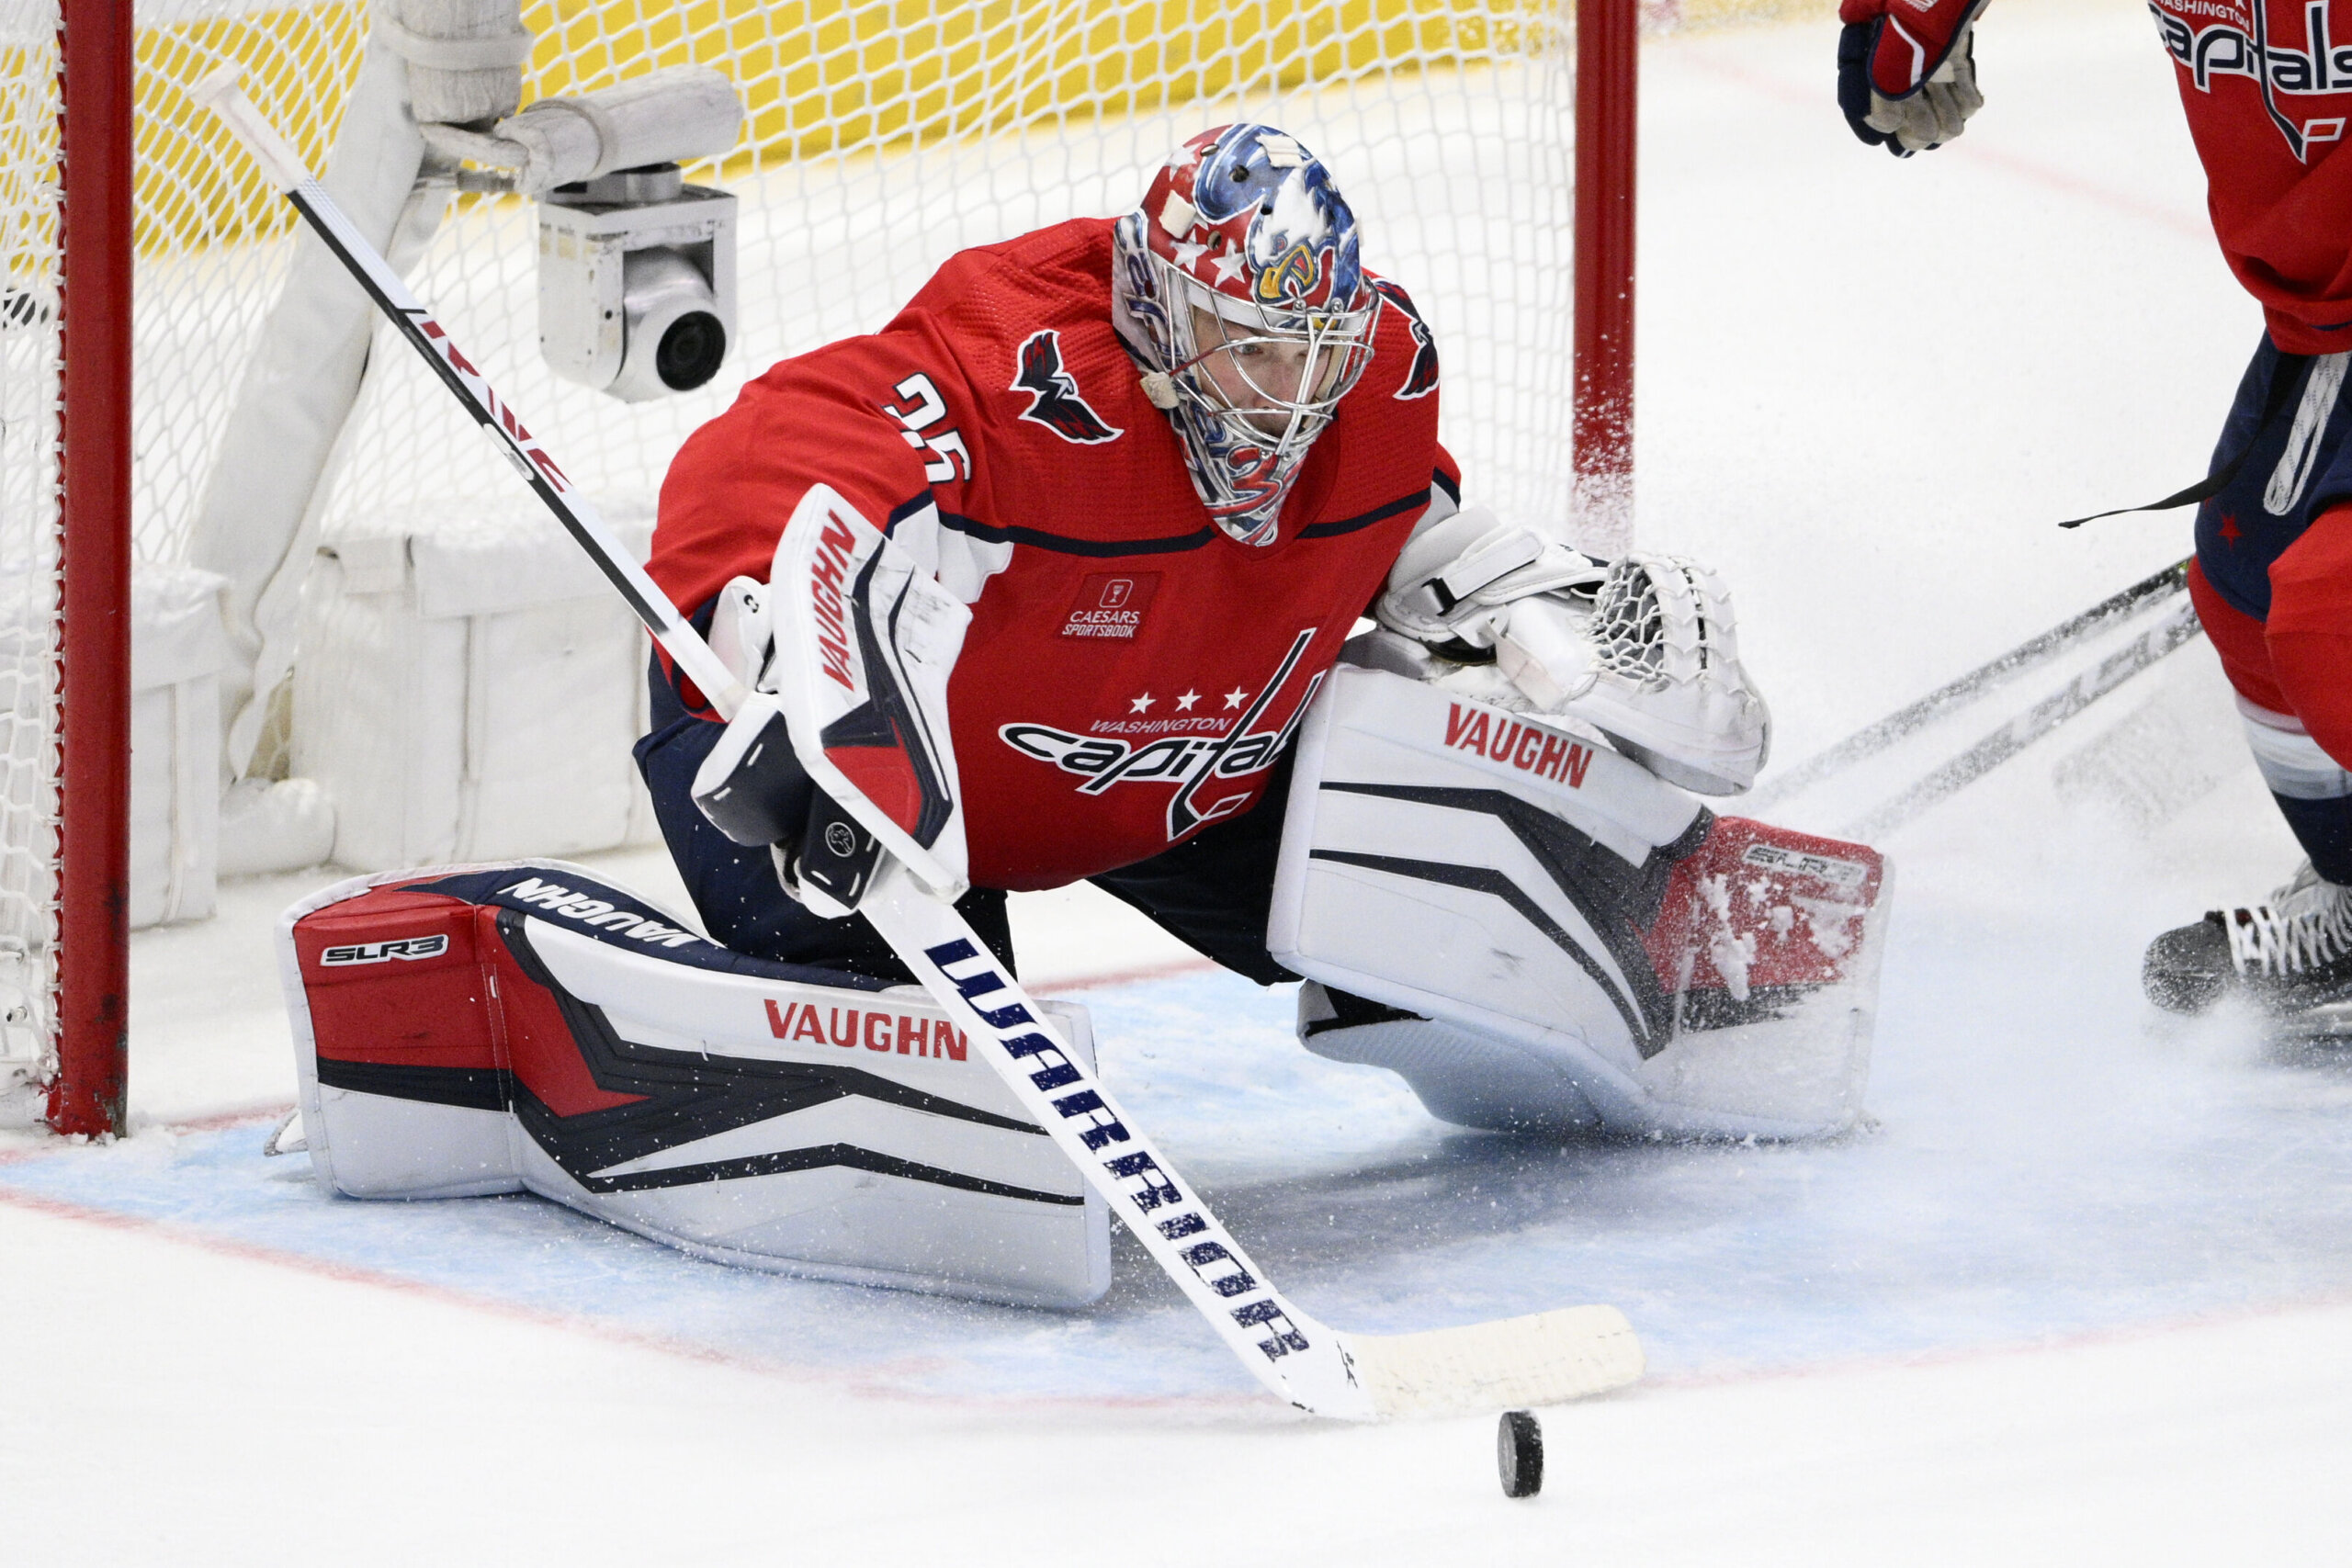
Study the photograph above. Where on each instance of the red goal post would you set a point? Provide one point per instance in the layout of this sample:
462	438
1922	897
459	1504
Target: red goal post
1480	141
1607	92
93	548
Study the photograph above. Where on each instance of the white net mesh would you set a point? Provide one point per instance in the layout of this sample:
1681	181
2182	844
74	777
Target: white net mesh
212	238
882	136
886	136
28	417
209	252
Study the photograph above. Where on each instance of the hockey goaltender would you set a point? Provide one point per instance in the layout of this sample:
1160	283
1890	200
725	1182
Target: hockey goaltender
1086	532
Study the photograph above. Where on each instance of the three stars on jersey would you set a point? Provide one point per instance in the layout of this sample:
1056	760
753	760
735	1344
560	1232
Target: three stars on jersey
1229	749
1233	699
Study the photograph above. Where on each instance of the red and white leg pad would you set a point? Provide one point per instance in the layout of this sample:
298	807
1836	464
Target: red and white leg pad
526	1027
1577	940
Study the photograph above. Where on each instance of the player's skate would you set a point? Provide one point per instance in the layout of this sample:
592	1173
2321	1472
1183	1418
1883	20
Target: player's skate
2290	954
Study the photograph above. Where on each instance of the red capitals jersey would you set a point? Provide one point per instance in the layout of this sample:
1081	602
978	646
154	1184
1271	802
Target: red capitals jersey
2278	183
1131	673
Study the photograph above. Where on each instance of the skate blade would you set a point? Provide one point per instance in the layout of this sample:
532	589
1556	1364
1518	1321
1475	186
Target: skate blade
2329	1023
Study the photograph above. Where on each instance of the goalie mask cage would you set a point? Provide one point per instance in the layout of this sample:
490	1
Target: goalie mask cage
880	136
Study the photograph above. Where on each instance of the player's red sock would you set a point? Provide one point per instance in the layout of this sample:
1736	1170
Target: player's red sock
2298	676
2309	634
2239	638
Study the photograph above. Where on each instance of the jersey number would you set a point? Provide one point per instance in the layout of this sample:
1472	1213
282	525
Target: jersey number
927	408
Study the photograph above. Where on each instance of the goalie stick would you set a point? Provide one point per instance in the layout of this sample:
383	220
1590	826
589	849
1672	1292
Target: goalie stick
2022	659
1538	1359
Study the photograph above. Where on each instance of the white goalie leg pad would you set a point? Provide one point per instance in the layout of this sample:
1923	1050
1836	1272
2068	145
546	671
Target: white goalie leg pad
1579	940
1464	1075
523	1026
864	641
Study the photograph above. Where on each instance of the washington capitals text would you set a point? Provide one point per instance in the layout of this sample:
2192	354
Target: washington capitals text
2240	44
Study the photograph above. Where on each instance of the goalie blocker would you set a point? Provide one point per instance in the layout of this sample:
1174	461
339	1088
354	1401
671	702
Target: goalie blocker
1535	931
525	1028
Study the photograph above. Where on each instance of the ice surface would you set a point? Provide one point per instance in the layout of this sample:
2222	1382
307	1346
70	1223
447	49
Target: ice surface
2041	1164
2080	1293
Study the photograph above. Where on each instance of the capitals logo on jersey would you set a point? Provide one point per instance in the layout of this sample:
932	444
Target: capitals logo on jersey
1054	398
2213	38
1190	761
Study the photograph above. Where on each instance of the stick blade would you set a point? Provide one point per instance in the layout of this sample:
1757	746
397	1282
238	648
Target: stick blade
1546	1359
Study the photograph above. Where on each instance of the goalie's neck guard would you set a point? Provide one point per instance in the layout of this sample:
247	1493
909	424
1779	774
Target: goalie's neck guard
1237	284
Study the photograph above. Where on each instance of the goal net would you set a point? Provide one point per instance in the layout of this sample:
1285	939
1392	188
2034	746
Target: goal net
880	136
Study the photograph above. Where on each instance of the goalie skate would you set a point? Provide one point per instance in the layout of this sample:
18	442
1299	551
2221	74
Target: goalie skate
1554	937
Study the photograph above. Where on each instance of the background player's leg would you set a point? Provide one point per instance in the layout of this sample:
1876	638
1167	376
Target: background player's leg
734	887
2313	792
2309	635
2293	951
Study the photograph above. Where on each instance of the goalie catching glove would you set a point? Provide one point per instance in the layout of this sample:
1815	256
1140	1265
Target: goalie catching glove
1643	648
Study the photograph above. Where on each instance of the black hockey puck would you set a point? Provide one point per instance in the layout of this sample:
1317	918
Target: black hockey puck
1518	1451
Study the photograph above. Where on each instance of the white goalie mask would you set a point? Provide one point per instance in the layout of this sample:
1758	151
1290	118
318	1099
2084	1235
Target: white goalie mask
1238	284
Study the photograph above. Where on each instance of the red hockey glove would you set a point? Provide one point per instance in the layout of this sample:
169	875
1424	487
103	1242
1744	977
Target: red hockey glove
1906	70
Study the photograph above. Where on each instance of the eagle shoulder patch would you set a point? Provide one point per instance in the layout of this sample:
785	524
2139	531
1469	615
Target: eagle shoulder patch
1420	378
1054	398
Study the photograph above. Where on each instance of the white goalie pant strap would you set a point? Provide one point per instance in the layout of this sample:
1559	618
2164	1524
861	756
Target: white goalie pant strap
1555	938
481	1030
